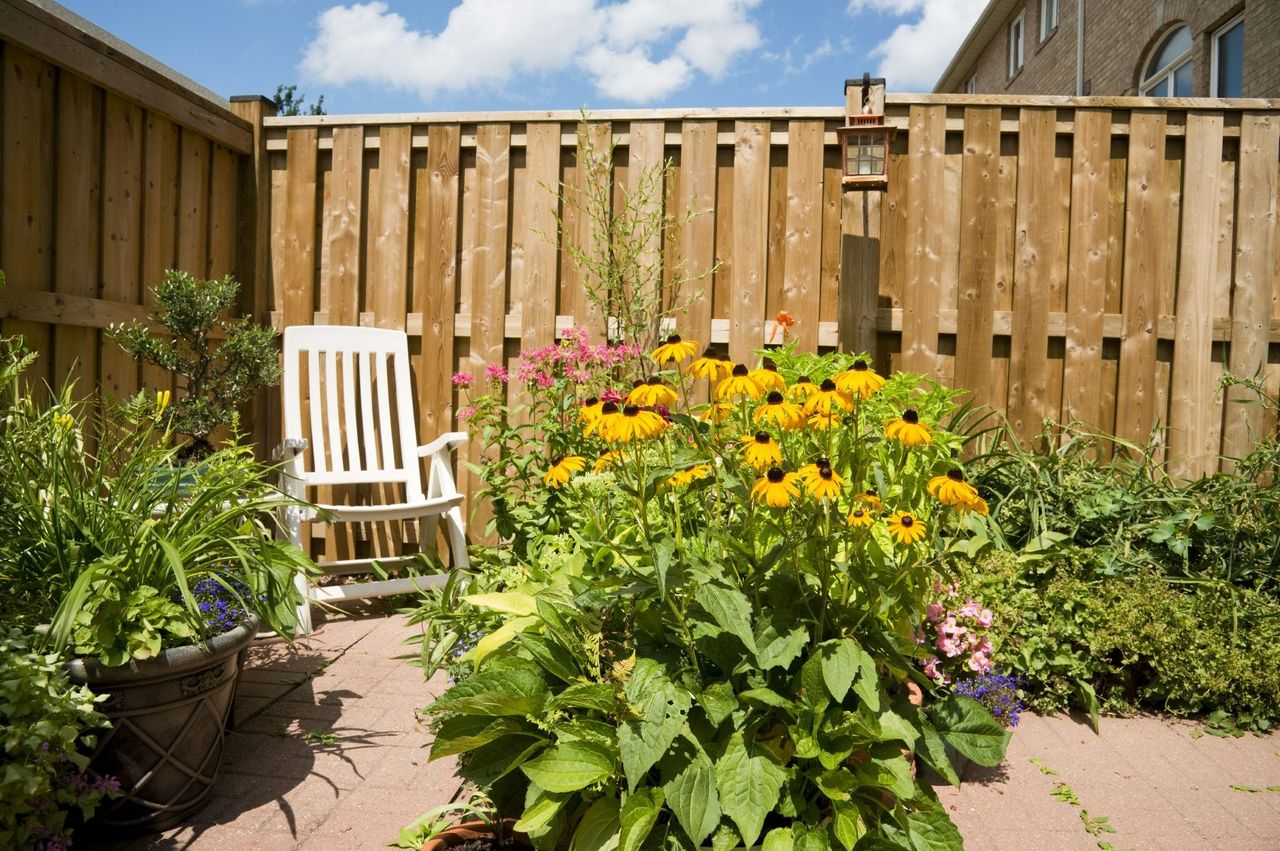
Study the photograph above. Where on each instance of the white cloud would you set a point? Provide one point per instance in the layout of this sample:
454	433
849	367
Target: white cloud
916	53
635	50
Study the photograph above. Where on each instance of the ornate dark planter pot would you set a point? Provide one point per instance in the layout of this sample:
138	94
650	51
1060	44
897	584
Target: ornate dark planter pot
168	723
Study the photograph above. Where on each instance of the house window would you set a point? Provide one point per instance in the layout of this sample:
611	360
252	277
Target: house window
971	85
1226	68
1048	18
1016	30
1167	74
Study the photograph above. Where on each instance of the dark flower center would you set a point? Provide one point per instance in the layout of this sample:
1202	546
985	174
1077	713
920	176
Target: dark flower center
654	381
910	416
956	475
774	398
710	353
674	338
821	461
774	475
804	379
762	437
609	408
859	513
827	385
825	473
907	521
871	492
860	365
639	382
555	462
630	410
768	364
591	400
740	370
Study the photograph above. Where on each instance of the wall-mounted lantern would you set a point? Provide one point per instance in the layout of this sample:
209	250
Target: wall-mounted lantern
865	140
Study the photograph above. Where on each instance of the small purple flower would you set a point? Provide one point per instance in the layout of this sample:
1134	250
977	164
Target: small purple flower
997	692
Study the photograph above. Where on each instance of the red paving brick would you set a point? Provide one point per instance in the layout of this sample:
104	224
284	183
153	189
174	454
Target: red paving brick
284	785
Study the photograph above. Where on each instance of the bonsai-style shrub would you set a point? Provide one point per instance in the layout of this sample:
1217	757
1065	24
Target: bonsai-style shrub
710	640
220	362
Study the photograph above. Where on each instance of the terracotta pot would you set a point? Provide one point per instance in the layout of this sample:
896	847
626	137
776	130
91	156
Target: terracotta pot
168	722
468	831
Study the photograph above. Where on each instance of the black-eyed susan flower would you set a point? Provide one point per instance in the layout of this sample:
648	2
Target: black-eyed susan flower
674	349
562	468
606	461
859	380
634	423
653	392
710	366
952	489
692	474
908	430
905	528
827	401
768	377
802	389
775	488
870	499
825	484
716	412
977	505
809	471
822	422
860	518
761	452
778	411
589	411
600	425
635	385
739	384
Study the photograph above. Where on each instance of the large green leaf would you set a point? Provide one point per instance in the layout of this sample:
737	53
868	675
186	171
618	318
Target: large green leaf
598	696
749	786
462	733
599	828
933	830
730	609
662	707
570	766
499	691
692	796
508	602
893	727
553	658
968	727
500	637
841	660
779	650
541	810
640	813
718	701
847	824
933	750
778	839
867	685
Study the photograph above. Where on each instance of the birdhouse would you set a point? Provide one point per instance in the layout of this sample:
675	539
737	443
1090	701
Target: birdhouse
865	140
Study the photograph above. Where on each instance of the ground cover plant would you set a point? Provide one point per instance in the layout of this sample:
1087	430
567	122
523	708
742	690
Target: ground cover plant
707	628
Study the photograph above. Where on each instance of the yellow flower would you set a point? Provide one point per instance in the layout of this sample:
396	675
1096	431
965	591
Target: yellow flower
780	412
716	412
977	504
775	488
825	484
606	461
859	380
802	389
952	489
761	452
589	411
861	519
562	468
652	392
869	499
822	422
634	423
709	366
674	349
767	376
827	401
162	401
810	471
684	477
737	385
64	422
599	424
908	430
905	528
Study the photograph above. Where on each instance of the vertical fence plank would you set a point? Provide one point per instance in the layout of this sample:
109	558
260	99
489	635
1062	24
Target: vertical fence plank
1191	406
802	283
644	161
893	248
722	282
542	162
1029	362
222	212
193	203
435	272
1087	263
979	197
750	237
860	227
1256	262
832	221
122	229
297	273
77	229
389	261
160	221
696	193
775	261
1145	234
594	140
926	166
343	215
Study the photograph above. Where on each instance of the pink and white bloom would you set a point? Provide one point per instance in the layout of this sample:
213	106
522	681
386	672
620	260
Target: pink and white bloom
934	612
463	379
985	618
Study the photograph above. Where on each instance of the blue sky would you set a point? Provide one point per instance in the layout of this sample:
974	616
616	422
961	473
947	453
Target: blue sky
463	55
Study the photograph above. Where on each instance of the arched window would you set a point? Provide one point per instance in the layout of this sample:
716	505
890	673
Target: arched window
1168	72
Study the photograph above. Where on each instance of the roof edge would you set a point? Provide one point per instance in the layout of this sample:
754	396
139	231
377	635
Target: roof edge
973	43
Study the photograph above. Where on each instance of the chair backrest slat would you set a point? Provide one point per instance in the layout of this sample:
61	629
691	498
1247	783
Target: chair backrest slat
349	410
366	414
384	412
318	457
331	388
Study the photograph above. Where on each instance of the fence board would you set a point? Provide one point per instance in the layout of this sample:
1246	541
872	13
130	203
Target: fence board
979	200
696	193
122	230
389	260
750	237
645	155
802	285
435	277
538	314
297	266
923	267
160	220
193	207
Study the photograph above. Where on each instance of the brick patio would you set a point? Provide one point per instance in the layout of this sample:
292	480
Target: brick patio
287	785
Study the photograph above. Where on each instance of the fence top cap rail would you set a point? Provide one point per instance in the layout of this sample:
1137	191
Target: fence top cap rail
1094	101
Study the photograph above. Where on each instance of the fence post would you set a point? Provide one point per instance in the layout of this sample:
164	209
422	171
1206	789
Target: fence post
253	245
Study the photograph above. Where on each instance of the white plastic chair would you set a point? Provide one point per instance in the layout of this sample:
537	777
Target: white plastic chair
361	431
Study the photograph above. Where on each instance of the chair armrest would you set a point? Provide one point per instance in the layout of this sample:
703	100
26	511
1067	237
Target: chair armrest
291	446
448	440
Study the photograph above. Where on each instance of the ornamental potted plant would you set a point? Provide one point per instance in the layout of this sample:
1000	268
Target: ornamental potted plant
714	650
219	363
150	591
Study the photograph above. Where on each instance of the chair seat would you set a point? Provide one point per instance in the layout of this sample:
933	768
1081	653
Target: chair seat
388	510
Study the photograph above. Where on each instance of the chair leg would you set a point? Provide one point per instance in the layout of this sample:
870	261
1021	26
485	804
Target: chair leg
293	528
457	537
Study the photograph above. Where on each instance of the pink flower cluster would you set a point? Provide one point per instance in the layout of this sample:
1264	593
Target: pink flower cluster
463	379
573	358
957	639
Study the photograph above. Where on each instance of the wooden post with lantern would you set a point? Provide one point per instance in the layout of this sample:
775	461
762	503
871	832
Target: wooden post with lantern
864	157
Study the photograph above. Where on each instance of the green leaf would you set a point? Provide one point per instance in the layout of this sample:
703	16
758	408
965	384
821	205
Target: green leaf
968	727
764	697
837	783
779	651
893	727
544	808
933	830
847	824
749	787
462	733
640	813
570	766
501	691
718	702
778	839
500	637
933	751
693	798
598	696
730	609
508	602
1090	700
841	660
663	708
867	686
598	830
553	658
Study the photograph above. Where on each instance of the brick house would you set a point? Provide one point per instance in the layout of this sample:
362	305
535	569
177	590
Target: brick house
1179	48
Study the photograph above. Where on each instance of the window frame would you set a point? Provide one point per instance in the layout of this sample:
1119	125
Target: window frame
971	85
1047	29
1019	21
1238	20
1168	71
